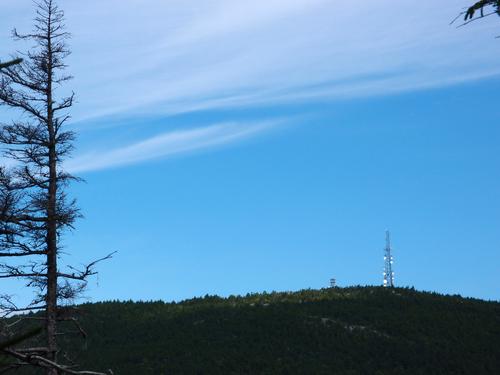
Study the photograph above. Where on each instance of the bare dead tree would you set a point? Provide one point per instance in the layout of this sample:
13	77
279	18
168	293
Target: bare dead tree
34	206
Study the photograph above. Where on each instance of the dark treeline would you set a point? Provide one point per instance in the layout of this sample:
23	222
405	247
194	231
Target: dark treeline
359	330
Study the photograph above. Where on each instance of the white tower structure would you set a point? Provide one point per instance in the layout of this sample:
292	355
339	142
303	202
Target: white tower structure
388	261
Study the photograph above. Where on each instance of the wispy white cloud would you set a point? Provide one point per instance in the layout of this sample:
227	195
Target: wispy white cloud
168	144
177	56
155	57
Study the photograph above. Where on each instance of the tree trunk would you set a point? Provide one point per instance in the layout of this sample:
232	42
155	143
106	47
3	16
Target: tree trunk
51	322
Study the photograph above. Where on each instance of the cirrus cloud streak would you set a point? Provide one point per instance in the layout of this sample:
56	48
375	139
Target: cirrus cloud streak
168	144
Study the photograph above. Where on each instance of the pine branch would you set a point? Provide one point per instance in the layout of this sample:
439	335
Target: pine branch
10	63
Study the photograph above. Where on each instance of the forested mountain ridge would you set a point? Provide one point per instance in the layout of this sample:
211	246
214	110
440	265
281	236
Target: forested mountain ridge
358	330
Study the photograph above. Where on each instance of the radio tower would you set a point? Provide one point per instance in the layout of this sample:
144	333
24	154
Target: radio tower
388	260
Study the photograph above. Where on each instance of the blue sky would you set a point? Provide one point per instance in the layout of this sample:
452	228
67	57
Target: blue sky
231	147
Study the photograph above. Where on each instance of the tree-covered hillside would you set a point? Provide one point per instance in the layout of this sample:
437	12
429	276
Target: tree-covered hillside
361	330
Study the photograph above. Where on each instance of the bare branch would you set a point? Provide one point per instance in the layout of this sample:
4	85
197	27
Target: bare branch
44	362
87	271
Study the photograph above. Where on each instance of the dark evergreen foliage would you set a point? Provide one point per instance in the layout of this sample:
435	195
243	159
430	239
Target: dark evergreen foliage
359	330
479	9
479	6
10	63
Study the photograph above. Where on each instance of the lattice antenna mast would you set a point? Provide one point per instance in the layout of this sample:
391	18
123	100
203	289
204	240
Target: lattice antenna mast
388	261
